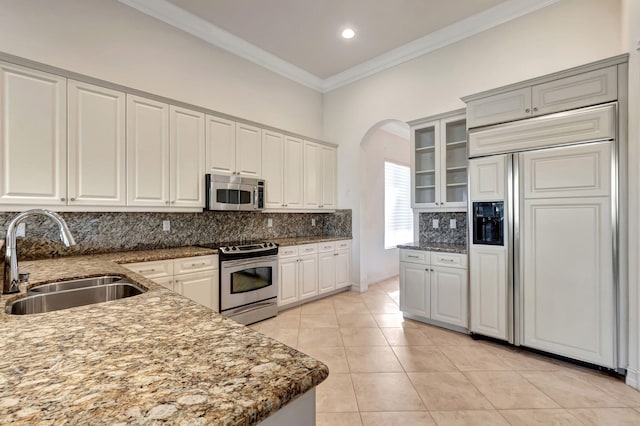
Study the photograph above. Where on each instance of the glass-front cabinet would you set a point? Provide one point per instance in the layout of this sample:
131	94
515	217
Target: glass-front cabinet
439	161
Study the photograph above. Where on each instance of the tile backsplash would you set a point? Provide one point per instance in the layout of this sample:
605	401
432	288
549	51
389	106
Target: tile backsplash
115	231
443	234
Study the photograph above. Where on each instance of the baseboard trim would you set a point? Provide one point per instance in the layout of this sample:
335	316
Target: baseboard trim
633	378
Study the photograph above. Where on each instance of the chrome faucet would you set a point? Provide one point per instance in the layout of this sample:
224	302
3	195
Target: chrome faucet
12	277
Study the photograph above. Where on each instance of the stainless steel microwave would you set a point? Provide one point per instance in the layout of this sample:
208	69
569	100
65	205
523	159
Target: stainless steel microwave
233	193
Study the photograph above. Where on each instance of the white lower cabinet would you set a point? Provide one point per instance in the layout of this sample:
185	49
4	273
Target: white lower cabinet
193	277
432	291
311	270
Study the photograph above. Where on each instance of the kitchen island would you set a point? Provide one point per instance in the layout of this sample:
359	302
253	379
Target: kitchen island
155	357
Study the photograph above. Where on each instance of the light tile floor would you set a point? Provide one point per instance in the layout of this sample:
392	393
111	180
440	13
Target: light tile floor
385	370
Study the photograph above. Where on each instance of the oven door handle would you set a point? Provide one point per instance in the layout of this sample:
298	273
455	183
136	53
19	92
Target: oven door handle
257	260
249	307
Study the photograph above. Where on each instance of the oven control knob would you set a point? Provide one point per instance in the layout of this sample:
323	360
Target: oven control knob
234	248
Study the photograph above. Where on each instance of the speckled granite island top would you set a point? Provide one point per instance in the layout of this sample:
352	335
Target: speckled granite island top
441	247
152	358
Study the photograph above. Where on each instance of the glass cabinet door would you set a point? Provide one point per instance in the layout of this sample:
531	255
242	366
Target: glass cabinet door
454	162
425	140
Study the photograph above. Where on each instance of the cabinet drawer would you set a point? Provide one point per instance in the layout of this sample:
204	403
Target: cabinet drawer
307	249
195	264
290	251
414	256
151	270
328	246
452	260
343	245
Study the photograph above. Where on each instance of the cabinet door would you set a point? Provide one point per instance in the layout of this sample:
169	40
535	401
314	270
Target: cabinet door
288	289
328	169
415	289
488	177
326	272
590	88
425	152
488	291
248	151
568	282
147	152
198	287
187	157
311	175
97	145
166	282
308	276
343	268
221	145
449	295
453	162
33	137
500	108
293	177
273	168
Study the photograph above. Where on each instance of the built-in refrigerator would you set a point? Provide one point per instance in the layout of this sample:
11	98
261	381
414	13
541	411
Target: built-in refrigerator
543	234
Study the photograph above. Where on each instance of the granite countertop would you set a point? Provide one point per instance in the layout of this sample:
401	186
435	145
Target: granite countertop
441	247
155	357
283	242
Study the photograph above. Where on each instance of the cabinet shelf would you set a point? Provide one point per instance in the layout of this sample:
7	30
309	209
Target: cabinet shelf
455	144
451	185
426	148
426	187
422	172
456	168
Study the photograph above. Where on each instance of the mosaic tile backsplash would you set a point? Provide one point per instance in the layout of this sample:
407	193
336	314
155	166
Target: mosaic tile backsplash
108	232
443	234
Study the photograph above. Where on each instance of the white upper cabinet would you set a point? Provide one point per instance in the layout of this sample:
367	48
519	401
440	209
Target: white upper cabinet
97	145
328	171
439	163
187	157
563	94
33	137
233	148
147	152
311	175
282	170
273	168
488	178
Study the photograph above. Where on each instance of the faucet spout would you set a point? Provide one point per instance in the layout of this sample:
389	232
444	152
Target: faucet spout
11	283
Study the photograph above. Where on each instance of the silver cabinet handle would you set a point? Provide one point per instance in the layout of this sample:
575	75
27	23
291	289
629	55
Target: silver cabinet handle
72	199
413	257
144	271
166	202
535	109
442	259
527	110
198	264
63	199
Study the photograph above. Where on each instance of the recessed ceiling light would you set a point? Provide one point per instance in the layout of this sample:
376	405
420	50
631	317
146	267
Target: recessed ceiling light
348	33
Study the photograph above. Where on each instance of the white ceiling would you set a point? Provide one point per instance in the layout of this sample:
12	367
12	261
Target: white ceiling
301	38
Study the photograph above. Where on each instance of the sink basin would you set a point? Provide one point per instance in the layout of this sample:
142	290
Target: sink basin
64	299
75	284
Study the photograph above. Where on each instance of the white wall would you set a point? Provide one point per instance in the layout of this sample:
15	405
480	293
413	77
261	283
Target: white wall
108	40
379	146
566	34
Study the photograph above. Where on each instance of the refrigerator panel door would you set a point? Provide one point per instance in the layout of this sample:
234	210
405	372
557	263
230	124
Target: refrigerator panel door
487	180
488	291
568	279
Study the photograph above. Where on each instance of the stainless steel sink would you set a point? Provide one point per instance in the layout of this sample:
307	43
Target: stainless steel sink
79	283
64	299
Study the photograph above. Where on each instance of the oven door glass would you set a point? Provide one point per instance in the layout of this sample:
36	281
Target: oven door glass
251	279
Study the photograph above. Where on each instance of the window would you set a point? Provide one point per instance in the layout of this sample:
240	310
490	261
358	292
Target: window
398	216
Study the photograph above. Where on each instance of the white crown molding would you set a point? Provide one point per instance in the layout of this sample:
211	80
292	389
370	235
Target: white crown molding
196	26
460	30
188	22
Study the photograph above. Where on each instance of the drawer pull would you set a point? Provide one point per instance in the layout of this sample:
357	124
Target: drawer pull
442	259
199	264
413	257
144	271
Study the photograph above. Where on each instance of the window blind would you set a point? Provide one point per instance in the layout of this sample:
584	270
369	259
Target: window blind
398	216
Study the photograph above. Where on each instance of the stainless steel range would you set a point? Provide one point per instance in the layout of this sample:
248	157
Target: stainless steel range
248	280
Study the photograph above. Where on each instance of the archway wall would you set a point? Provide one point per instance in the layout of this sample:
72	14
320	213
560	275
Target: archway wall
378	146
557	37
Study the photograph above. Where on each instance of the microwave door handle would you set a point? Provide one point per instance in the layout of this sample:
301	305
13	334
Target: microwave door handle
255	198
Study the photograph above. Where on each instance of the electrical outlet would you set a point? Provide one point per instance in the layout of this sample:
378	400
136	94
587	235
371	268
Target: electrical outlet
21	229
452	223
436	223
166	225
269	223
313	222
